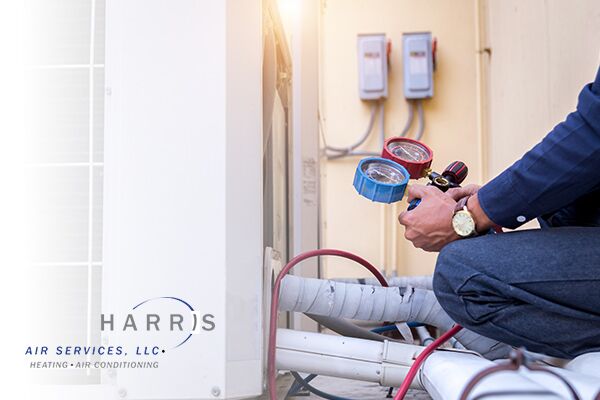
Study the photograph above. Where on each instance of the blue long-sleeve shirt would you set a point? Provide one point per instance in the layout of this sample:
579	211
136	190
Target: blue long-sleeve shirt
558	172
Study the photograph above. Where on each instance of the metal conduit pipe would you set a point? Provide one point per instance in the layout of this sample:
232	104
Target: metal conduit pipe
588	364
586	386
387	364
424	336
375	303
363	138
445	375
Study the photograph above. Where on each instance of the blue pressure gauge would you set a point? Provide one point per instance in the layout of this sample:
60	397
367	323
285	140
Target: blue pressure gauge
381	180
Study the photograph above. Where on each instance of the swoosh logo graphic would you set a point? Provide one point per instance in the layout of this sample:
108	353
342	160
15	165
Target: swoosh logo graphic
176	299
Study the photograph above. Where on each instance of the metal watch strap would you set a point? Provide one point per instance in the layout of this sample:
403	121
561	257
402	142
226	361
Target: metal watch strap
461	204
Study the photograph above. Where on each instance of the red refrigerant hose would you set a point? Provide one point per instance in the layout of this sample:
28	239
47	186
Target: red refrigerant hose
271	373
412	372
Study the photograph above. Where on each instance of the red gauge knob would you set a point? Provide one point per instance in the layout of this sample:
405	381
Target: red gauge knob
413	155
456	172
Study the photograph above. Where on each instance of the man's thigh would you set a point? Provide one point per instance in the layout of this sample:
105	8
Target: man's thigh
557	266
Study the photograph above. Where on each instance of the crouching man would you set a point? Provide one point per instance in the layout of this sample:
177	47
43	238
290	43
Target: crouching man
538	288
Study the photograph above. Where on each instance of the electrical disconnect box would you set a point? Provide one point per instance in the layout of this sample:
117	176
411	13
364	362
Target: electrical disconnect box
418	65
372	66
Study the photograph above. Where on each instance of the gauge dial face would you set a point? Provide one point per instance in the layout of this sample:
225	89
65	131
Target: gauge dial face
383	173
409	151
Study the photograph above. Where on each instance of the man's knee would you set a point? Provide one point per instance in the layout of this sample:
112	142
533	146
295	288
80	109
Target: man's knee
460	285
465	291
451	273
451	268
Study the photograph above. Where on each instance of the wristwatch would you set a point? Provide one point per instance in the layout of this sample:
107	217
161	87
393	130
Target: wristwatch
462	221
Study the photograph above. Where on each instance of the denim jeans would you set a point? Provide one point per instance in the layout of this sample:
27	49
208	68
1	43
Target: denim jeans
538	289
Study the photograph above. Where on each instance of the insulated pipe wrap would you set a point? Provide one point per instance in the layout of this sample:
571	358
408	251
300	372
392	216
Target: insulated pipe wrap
418	282
376	303
363	302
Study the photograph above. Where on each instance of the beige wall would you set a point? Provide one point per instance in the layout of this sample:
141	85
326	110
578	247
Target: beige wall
350	221
527	85
542	53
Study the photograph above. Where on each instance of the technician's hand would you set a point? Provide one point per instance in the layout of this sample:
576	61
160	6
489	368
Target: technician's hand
429	226
460	192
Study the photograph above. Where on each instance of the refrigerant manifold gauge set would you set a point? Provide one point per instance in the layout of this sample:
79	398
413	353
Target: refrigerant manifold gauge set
385	179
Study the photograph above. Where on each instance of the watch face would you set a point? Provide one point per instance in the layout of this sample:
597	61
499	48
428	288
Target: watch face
463	223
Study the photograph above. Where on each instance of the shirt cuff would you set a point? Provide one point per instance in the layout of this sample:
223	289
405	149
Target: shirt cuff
503	204
588	105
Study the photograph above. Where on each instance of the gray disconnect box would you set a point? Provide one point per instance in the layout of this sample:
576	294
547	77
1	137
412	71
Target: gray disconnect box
418	65
372	66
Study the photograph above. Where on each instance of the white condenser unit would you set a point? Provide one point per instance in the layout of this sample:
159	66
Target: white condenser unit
183	193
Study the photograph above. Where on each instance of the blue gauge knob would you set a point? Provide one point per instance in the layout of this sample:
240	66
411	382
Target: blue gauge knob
381	180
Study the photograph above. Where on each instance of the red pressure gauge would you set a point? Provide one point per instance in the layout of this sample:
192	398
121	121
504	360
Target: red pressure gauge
415	156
